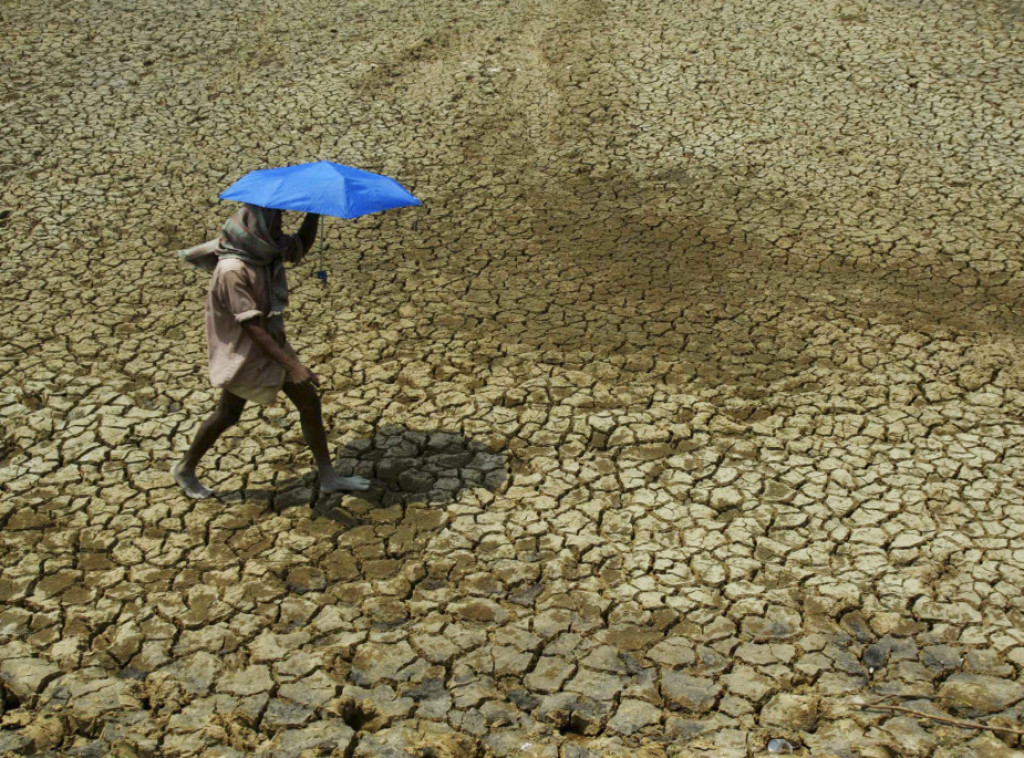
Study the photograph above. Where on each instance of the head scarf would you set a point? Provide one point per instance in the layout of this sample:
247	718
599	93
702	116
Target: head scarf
252	235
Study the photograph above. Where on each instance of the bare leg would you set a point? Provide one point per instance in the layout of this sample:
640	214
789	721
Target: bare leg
308	403
229	410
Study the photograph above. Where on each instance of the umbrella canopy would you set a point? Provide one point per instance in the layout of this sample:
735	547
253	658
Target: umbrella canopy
329	189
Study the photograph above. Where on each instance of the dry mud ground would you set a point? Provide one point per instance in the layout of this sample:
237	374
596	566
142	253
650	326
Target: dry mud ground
693	394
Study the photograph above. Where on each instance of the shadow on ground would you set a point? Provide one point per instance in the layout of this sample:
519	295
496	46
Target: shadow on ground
409	466
285	493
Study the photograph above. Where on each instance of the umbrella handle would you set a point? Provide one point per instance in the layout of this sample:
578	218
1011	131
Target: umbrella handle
322	273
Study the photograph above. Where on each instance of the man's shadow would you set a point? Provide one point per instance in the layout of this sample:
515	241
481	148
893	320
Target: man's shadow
408	466
403	465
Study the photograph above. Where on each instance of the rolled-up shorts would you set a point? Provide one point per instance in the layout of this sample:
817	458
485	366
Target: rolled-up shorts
261	395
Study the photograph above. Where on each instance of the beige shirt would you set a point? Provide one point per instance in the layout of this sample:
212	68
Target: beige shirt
238	292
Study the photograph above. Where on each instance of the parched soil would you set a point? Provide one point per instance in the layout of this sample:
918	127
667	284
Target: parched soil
693	395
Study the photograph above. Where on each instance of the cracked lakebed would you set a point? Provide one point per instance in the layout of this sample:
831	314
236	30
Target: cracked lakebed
693	396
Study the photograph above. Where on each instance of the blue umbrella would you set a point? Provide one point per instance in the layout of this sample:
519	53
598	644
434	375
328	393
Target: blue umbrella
322	187
329	189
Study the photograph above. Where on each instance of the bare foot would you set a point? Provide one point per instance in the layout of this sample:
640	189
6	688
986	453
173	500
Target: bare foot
333	482
189	482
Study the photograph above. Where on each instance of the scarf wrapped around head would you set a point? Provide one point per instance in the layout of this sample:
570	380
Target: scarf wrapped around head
252	235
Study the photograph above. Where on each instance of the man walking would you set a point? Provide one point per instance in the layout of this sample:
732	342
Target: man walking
249	355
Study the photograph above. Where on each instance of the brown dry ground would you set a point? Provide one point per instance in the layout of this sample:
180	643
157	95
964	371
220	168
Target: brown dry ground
693	394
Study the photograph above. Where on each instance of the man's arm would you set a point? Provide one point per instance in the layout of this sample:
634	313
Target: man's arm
307	232
296	371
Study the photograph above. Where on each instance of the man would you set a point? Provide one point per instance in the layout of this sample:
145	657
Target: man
249	355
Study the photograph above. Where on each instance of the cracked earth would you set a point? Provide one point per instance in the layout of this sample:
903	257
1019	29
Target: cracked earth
693	396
